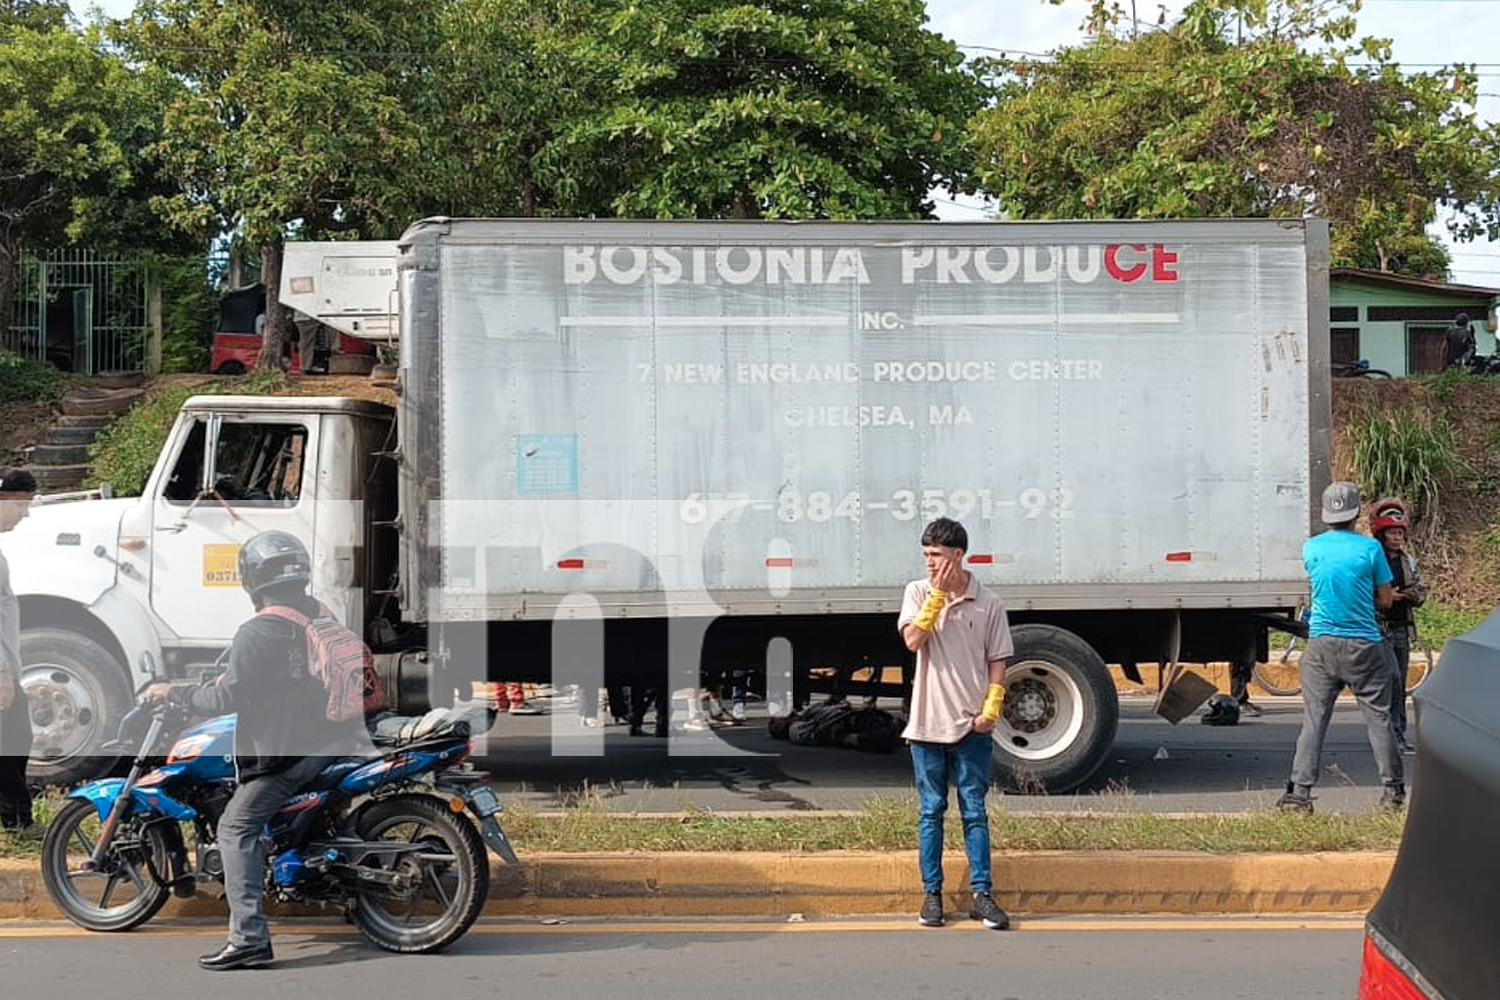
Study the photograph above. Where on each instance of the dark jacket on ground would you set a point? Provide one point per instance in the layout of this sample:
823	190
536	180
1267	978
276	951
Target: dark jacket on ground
281	708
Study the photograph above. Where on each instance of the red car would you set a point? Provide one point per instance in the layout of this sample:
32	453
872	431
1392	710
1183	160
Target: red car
237	340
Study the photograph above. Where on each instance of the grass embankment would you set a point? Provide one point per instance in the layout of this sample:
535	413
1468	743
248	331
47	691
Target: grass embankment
887	825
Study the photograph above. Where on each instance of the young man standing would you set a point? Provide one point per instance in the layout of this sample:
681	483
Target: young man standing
17	488
961	635
1350	579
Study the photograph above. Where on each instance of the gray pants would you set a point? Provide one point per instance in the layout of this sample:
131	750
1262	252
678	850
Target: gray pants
1327	664
1398	640
245	816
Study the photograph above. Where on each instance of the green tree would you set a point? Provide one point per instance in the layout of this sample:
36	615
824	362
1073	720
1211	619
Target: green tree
63	105
1245	108
512	72
776	109
37	15
293	116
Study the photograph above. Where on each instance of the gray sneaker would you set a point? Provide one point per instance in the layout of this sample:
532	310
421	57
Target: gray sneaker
1393	799
932	910
987	910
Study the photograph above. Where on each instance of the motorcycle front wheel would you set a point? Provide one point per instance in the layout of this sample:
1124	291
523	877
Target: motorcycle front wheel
437	892
122	892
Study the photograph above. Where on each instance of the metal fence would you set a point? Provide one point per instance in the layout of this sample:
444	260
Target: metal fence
82	312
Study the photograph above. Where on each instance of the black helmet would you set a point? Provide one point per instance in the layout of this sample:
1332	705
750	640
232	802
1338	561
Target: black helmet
273	558
1222	711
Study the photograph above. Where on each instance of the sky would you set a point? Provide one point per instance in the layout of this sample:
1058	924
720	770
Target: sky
1425	35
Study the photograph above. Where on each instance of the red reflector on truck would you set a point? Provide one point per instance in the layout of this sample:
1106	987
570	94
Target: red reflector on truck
981	560
583	564
1179	557
1380	979
780	563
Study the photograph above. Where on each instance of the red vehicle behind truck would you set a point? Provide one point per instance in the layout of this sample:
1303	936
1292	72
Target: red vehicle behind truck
242	317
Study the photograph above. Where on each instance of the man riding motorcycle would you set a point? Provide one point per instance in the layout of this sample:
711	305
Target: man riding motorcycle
283	737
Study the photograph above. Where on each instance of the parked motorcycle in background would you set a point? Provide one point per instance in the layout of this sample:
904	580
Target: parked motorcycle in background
396	843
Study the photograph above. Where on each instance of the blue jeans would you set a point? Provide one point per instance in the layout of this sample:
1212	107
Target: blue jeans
967	763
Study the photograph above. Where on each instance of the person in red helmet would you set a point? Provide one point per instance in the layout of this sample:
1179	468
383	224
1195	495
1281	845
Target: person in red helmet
1390	523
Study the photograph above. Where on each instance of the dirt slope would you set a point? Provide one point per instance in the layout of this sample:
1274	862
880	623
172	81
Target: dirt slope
1458	543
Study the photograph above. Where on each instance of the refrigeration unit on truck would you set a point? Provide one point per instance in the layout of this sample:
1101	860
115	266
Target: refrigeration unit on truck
664	447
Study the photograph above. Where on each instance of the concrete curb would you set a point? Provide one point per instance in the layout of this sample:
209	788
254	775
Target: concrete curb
857	883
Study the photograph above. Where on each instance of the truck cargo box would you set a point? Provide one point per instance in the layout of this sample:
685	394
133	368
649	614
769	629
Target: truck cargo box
759	418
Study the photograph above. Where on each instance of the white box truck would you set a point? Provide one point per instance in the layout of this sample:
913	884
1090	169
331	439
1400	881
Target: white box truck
656	448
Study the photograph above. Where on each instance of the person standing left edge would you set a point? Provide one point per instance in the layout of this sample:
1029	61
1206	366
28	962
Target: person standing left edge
283	737
960	634
17	489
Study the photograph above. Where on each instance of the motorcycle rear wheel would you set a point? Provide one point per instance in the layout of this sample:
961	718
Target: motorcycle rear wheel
447	883
87	898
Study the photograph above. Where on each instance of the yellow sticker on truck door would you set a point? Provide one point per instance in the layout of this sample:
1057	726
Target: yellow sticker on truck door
221	565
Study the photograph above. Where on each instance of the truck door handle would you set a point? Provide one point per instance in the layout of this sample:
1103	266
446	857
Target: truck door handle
180	526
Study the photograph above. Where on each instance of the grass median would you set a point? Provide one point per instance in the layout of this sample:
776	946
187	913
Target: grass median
890	825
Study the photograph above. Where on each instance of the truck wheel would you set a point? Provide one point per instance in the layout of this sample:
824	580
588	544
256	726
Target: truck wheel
1060	716
231	368
78	693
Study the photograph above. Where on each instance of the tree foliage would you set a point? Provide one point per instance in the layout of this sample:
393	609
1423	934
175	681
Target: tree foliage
287	115
1245	108
64	112
778	109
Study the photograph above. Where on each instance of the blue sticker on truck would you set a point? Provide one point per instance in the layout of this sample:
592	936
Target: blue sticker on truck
546	463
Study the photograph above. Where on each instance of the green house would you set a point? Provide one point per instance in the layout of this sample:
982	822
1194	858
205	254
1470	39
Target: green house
1398	324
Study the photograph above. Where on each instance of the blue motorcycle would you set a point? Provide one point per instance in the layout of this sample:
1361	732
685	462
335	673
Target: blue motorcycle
395	842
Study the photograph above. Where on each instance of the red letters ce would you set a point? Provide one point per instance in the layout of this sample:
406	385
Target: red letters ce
1163	262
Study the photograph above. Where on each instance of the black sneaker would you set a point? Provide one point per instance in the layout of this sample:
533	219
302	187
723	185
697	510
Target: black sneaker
1292	802
987	910
1393	799
932	910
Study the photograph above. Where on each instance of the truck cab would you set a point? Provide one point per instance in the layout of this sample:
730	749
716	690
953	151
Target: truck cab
115	591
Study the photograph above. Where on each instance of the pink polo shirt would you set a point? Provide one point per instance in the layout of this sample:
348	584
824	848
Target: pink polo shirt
953	673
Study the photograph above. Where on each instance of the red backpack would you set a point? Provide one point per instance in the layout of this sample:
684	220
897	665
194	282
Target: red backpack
340	660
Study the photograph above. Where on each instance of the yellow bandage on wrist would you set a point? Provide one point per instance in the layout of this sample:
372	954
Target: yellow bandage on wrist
926	619
992	702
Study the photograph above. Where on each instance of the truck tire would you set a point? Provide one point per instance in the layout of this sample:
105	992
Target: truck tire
1060	716
78	693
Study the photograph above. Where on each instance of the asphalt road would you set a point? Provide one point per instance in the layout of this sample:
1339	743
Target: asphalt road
551	761
1042	959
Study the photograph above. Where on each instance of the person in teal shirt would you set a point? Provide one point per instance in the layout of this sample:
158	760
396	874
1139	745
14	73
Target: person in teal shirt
1350	578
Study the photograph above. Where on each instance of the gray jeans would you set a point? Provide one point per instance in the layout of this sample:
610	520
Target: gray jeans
245	816
1328	664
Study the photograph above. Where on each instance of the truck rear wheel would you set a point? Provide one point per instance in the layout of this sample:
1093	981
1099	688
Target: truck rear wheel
77	693
1060	716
